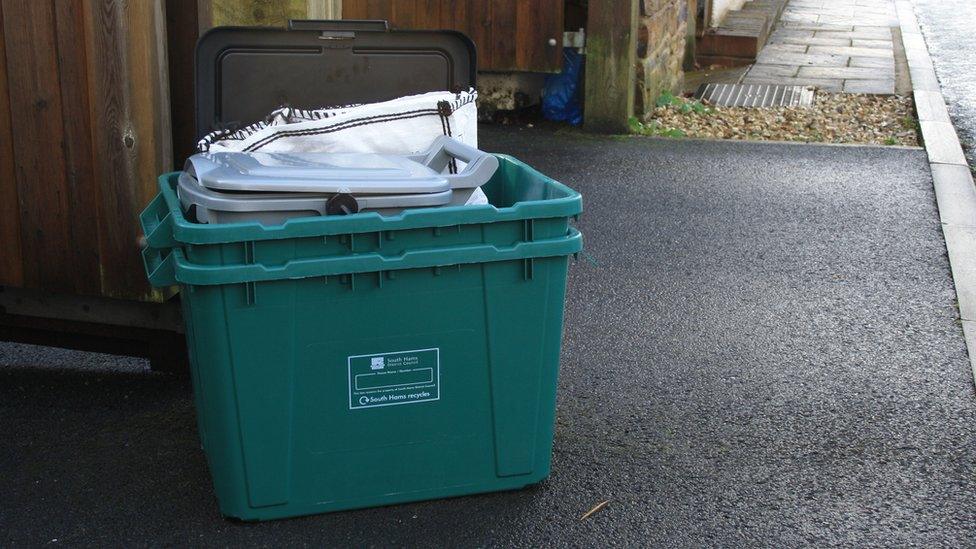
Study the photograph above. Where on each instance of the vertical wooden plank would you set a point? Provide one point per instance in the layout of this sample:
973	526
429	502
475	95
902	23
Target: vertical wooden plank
128	87
539	22
39	162
503	35
149	88
691	34
379	9
354	9
429	14
11	267
527	16
611	48
454	15
204	15
82	191
113	138
404	14
479	30
182	31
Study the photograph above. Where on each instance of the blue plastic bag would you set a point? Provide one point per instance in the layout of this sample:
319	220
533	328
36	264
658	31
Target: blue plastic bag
560	95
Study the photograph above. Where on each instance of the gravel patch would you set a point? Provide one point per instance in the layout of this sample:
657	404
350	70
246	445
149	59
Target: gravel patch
833	118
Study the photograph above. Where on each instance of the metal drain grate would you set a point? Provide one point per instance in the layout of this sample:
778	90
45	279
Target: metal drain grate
755	95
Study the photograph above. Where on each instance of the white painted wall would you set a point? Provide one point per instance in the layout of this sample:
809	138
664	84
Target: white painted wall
721	7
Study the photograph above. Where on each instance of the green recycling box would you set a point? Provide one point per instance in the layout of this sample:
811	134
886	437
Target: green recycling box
360	360
351	361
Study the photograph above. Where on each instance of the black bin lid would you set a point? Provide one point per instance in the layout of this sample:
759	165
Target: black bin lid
243	73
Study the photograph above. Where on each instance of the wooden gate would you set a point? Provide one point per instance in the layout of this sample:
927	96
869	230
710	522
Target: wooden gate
511	35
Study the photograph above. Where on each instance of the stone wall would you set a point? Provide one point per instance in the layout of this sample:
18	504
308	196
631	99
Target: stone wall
661	40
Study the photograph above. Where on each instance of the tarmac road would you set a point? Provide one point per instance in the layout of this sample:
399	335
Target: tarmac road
763	349
947	27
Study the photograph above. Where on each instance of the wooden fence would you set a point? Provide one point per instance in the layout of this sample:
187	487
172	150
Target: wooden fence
84	132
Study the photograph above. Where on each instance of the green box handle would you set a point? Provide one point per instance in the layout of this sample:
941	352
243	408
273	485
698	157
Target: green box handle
157	227
160	266
164	269
157	223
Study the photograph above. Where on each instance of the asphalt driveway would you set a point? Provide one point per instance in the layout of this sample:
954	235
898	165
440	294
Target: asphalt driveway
761	348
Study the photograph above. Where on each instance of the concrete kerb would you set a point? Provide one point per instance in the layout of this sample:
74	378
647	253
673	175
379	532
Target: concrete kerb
931	107
942	143
955	194
954	189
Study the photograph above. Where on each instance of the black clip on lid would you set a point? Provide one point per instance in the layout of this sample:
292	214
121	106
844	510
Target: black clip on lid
341	204
244	73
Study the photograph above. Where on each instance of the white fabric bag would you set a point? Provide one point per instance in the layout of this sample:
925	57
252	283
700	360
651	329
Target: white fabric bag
406	125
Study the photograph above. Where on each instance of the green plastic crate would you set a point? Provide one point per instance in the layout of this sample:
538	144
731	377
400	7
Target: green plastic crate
355	361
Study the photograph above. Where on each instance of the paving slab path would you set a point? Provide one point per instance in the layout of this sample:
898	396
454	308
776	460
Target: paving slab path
762	350
836	45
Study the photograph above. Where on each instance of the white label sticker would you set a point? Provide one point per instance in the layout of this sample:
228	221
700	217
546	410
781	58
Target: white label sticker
399	377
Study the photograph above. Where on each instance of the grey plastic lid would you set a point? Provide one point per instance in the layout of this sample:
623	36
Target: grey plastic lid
243	73
280	205
323	173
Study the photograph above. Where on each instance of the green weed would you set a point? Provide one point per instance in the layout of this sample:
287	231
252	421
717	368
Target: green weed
682	105
652	128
